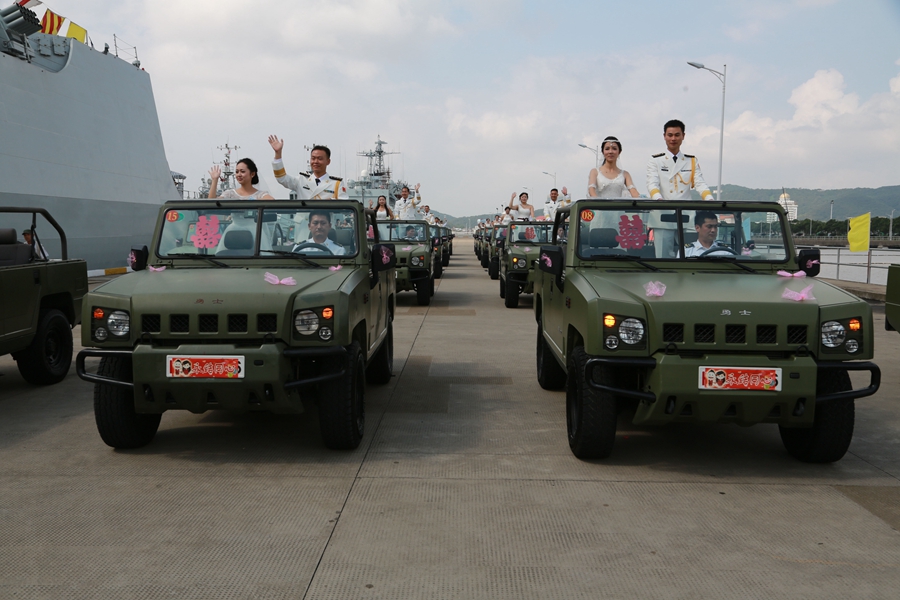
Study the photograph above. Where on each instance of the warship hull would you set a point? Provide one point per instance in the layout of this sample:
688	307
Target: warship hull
80	136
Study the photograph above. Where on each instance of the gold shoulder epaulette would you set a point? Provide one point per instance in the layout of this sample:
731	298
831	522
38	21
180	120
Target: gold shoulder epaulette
658	155
336	178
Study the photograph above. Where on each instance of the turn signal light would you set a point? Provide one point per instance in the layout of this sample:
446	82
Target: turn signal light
98	313
609	321
855	325
327	312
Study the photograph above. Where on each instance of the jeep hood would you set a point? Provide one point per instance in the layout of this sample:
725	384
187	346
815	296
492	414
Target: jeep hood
189	288
692	294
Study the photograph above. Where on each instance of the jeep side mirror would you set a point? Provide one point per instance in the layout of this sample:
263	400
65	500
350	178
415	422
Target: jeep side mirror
138	258
384	257
808	260
552	260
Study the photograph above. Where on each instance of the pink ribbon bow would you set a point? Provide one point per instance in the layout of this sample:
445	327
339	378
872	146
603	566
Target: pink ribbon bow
787	274
273	279
407	249
804	294
655	288
546	260
335	268
810	263
157	269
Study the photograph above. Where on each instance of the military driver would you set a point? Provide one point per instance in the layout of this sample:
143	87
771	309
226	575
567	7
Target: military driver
319	228
706	224
318	185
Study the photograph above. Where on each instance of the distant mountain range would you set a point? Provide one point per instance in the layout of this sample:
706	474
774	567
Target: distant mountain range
810	203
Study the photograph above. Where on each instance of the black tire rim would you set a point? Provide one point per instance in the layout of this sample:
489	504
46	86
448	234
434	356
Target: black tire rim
53	348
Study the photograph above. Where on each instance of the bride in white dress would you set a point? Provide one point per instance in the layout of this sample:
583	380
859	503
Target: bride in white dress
611	181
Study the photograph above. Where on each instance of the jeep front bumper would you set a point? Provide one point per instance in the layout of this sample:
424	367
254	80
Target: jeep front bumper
276	377
670	388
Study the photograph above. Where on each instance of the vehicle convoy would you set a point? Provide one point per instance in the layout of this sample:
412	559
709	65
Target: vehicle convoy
892	299
519	257
237	305
415	256
41	301
692	311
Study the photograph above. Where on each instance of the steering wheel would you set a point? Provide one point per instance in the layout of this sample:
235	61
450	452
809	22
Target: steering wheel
712	249
304	245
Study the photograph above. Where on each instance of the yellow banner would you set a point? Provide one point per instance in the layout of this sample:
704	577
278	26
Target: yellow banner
77	32
51	22
858	236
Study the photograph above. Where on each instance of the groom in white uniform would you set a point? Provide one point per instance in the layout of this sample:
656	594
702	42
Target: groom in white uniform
318	185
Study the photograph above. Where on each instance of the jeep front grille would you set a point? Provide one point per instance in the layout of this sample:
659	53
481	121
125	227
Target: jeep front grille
673	332
266	322
705	333
237	323
209	323
735	334
796	334
179	323
766	334
150	324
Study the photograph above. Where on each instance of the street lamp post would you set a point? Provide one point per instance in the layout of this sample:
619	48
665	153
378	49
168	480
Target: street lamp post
831	215
596	151
553	175
891	226
721	77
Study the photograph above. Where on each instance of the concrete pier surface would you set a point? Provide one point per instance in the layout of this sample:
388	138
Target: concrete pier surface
464	487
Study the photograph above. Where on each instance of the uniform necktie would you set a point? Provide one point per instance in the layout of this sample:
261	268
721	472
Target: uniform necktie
317	181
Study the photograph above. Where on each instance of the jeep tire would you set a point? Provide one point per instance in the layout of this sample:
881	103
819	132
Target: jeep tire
48	358
829	437
494	268
424	291
502	288
590	413
342	413
438	268
550	375
381	367
117	422
512	293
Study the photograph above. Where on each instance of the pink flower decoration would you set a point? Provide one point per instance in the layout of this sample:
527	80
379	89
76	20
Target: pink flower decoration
273	279
335	268
787	274
527	249
655	289
804	294
157	269
407	249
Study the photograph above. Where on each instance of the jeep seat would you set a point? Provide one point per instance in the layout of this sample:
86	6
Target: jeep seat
604	240
13	253
238	242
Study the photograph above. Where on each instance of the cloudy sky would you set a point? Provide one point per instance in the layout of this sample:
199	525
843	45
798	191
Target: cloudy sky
481	97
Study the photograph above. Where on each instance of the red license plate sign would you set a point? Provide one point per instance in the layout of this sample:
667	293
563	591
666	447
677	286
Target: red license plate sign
740	378
205	367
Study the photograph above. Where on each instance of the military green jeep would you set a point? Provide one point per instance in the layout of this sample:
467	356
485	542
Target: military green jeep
41	300
258	306
892	299
694	311
494	249
519	257
415	256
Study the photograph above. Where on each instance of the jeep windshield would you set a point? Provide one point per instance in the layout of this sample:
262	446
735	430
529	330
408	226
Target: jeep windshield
402	232
531	233
273	232
716	234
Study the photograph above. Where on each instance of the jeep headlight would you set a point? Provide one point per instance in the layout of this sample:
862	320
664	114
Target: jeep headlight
833	334
306	322
520	263
119	323
631	331
415	261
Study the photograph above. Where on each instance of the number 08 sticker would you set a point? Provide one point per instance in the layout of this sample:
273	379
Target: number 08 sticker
587	215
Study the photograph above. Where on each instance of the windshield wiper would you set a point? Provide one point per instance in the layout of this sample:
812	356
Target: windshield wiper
300	256
732	259
203	256
636	259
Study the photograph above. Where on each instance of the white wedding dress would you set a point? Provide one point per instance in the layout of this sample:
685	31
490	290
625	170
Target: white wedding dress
612	188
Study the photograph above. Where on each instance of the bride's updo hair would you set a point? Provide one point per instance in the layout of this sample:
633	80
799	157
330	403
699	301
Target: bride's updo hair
251	166
610	139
